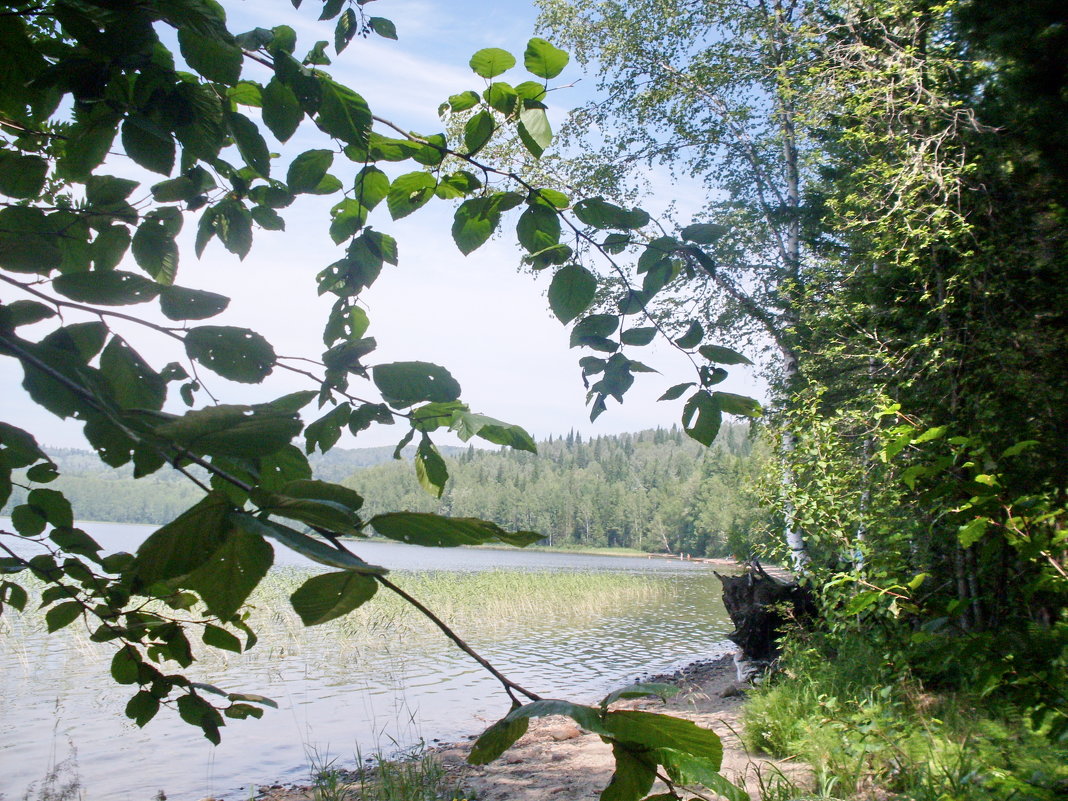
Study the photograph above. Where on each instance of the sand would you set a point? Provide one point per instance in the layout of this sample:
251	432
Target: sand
557	760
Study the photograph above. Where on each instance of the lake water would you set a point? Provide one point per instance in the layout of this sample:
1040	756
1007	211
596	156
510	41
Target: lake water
411	686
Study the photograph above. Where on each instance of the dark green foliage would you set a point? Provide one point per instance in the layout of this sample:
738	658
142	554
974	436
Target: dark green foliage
654	491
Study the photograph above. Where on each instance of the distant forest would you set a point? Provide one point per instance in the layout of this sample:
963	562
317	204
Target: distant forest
655	490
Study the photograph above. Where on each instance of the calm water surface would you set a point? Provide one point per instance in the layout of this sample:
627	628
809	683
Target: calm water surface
412	686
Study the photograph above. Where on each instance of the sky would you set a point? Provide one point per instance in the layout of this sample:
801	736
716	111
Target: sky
479	315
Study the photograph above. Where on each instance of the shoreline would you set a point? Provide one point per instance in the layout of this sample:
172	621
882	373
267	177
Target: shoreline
555	758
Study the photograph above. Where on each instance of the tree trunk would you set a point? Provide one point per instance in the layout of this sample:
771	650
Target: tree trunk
761	606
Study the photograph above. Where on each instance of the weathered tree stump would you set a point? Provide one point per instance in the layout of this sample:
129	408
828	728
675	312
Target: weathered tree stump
760	606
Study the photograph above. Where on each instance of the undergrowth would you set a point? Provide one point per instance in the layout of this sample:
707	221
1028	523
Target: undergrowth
871	730
416	775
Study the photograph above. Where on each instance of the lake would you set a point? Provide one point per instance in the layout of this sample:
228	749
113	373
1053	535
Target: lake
392	685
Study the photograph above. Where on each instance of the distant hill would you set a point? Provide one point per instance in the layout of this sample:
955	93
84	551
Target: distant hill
98	492
655	490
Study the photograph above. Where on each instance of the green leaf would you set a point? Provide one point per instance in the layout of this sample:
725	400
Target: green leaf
28	522
323	598
307	546
185	543
430	468
343	114
446	532
233	223
458	184
467	424
62	615
686	769
142	707
134	384
651	730
594	327
346	28
218	637
234	353
720	355
693	336
29	242
587	717
476	219
89	141
371	187
282	113
538	228
557	254
148	144
109	288
383	148
501	97
216	60
22	176
383	27
676	392
226	580
109	247
477	131
155	250
308	169
53	505
228	430
268	219
126	665
701	417
404	384
347	217
196	711
497	739
972	531
599	213
737	404
464	100
178	303
317	513
531	90
491	62
246	93
633	777
409	192
571	292
542	59
703	233
638	336
326	431
534	130
250	143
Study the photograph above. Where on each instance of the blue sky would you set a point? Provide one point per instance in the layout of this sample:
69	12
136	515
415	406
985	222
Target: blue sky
477	315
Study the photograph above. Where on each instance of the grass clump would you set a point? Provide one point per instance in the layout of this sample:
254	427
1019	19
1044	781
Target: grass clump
871	730
417	775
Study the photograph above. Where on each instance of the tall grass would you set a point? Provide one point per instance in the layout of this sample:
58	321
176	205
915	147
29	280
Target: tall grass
479	604
871	735
417	775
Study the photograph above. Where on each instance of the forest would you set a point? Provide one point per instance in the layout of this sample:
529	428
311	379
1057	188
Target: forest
655	491
882	227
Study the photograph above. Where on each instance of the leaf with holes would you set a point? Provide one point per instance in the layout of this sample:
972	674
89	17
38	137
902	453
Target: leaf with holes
404	384
235	353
